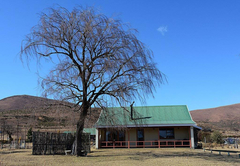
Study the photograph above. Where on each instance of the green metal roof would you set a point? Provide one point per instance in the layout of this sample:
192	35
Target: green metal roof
147	115
92	131
67	132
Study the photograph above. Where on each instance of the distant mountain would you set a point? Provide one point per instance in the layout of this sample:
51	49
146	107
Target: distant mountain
27	111
23	102
42	113
225	118
229	112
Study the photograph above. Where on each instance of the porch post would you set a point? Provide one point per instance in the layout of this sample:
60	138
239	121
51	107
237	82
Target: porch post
189	136
128	139
158	138
192	137
97	138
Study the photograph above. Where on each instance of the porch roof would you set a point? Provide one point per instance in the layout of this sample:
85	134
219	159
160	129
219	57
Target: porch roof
146	115
92	131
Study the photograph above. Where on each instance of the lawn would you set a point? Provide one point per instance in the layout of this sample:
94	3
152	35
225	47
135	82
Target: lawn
163	156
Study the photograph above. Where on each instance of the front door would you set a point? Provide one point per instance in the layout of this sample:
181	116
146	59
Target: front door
140	136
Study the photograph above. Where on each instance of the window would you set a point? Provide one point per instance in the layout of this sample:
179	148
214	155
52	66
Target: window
166	133
140	136
115	136
108	136
121	136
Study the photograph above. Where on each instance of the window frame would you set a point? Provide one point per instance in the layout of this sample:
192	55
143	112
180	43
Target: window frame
111	135
169	132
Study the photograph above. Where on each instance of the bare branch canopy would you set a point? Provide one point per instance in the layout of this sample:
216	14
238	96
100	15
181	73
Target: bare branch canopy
97	60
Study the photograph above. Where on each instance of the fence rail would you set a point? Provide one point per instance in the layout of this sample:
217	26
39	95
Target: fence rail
16	144
129	144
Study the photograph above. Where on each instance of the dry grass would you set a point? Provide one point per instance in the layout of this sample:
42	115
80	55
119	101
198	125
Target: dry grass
163	156
220	147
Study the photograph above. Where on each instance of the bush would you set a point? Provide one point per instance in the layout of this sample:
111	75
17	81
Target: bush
203	134
217	137
29	135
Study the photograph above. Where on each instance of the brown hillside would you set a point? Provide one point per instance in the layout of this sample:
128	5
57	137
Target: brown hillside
22	102
225	119
42	114
230	112
23	111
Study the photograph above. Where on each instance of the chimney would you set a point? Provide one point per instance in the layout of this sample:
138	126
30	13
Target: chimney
132	110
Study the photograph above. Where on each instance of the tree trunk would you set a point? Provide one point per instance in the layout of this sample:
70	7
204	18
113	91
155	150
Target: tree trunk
79	149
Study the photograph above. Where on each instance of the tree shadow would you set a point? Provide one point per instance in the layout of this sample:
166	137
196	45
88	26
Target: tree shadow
199	155
10	152
141	156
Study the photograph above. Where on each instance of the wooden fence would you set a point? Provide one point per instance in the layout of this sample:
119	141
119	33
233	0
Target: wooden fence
55	143
145	144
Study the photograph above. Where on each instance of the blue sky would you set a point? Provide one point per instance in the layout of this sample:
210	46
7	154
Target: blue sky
195	43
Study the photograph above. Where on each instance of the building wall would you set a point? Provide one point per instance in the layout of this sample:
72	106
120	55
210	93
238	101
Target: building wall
151	134
102	135
181	133
132	135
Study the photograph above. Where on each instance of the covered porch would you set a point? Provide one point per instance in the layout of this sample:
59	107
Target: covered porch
146	137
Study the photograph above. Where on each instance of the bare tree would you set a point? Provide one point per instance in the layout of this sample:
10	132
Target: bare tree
97	61
6	128
3	127
9	130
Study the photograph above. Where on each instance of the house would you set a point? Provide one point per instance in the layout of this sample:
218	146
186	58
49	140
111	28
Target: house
149	126
92	132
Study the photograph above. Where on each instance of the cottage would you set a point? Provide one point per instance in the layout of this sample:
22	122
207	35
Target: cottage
153	126
92	132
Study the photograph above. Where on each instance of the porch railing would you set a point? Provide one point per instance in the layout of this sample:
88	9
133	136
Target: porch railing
145	144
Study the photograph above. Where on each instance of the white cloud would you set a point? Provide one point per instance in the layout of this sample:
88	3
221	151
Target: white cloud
162	29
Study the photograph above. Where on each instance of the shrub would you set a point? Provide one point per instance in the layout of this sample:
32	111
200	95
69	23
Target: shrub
217	137
203	134
29	135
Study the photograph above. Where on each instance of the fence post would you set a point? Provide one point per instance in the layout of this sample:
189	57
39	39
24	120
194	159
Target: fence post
45	146
33	135
51	149
128	140
25	144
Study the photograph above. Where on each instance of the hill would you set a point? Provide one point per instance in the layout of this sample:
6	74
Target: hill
23	111
23	102
224	118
